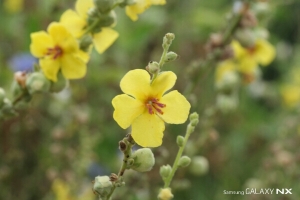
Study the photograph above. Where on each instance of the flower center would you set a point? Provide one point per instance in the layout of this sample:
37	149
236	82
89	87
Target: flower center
54	52
252	50
153	105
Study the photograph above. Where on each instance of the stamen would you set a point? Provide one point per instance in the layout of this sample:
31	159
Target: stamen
55	52
154	103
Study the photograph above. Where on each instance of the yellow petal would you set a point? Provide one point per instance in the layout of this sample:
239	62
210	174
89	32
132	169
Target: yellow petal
164	81
264	52
62	37
223	68
40	42
177	108
238	50
127	109
139	7
290	95
73	22
147	130
247	65
84	56
104	39
83	6
72	67
137	84
50	68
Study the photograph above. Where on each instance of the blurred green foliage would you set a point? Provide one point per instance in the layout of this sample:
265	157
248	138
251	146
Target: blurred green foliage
72	135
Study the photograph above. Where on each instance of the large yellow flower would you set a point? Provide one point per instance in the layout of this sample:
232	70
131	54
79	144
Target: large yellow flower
58	50
262	53
140	6
76	23
146	106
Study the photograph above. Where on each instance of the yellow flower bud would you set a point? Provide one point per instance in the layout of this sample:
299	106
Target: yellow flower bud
165	194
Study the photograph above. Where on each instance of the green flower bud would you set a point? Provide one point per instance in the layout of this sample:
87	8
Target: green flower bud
229	81
102	186
245	37
7	109
194	115
85	42
165	171
143	160
167	41
180	140
184	161
2	97
60	84
37	82
104	5
199	165
227	103
171	56
153	67
194	119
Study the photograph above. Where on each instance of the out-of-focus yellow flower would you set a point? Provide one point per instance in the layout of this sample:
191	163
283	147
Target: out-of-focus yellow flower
76	23
58	50
290	95
140	6
224	68
262	53
61	190
145	106
13	6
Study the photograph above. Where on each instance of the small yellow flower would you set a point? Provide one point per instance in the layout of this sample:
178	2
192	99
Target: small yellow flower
140	6
145	106
291	95
13	6
76	23
262	53
61	190
165	194
58	50
225	67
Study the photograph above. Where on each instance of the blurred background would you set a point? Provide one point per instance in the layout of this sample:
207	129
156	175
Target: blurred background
60	142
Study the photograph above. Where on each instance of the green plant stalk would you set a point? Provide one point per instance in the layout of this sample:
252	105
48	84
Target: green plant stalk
168	180
127	154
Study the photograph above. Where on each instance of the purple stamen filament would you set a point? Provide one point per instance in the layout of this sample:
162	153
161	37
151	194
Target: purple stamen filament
55	52
153	105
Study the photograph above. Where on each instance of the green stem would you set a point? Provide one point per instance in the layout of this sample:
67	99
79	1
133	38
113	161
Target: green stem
168	180
126	155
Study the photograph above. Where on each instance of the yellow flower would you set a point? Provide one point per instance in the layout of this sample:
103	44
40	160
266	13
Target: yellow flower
13	6
58	50
76	23
225	67
140	6
145	106
262	53
290	95
61	190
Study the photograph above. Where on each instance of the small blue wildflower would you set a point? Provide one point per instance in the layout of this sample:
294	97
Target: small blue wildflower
22	62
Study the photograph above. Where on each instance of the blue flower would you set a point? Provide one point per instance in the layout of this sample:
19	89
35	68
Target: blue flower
22	62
